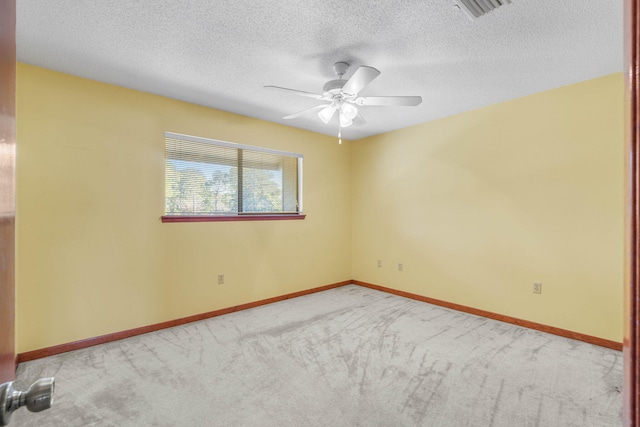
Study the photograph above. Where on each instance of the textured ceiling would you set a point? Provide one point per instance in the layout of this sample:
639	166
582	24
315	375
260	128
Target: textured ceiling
220	53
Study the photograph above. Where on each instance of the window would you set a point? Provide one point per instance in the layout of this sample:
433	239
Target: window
209	180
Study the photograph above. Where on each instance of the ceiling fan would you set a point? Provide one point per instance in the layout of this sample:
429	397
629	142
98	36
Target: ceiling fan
342	96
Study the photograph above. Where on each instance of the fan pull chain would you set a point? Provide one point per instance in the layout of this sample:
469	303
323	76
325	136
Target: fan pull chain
339	134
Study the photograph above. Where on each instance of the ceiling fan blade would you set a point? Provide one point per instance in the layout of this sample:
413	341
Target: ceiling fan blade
327	113
300	113
362	77
297	92
403	101
358	120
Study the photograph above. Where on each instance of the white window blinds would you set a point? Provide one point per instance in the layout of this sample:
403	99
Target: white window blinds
209	177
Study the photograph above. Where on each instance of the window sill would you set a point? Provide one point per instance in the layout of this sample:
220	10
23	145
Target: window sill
219	218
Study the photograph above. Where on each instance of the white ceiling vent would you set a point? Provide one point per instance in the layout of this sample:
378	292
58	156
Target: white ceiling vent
477	8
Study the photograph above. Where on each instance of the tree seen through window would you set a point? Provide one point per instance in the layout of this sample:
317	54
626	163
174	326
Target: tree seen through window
208	177
193	191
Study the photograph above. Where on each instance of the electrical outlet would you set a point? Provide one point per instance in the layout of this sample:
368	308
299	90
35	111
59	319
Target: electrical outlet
537	287
400	266
220	279
379	263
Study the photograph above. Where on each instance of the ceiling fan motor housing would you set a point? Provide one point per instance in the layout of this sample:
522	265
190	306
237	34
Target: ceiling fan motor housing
333	87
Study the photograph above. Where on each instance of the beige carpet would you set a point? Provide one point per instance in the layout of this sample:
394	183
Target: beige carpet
350	356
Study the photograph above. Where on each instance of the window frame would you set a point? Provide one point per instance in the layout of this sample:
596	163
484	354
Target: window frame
239	216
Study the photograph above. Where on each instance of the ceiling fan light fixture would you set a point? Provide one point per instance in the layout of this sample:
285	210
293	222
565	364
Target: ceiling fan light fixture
349	110
327	113
345	121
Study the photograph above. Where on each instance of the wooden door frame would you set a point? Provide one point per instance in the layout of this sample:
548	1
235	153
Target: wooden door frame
631	404
7	188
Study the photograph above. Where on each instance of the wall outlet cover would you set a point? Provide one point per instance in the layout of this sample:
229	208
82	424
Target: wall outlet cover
537	287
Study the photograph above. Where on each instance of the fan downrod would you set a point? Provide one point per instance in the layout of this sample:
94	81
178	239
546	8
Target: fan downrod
334	87
340	68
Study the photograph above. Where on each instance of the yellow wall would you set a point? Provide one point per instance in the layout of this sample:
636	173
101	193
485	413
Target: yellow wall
92	255
476	206
480	205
